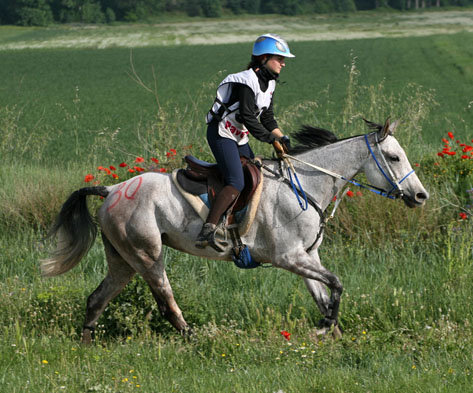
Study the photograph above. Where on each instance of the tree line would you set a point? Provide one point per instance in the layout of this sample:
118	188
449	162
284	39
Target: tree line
44	12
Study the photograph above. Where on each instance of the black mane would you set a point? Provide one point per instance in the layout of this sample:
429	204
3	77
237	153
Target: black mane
311	137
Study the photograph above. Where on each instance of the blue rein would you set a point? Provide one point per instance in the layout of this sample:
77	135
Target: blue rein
296	191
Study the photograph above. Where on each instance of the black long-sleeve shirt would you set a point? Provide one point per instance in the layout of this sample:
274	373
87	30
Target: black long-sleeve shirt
261	129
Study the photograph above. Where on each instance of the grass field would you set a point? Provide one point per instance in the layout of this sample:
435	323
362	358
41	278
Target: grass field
82	96
68	105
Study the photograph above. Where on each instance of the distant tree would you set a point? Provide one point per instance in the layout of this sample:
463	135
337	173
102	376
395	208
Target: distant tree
268	7
290	7
235	6
211	8
193	8
33	13
110	15
365	4
323	6
251	6
91	12
345	5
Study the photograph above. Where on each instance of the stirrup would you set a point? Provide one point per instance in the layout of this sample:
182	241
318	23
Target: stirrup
208	237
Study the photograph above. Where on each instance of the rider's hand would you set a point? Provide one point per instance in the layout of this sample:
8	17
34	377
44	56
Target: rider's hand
286	143
282	145
278	148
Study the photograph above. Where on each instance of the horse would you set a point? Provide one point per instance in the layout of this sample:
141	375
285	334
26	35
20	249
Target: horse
140	216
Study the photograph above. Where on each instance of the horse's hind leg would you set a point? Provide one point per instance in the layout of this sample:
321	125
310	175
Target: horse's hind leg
119	274
158	282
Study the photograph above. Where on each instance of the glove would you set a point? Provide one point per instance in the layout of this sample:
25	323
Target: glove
278	147
282	145
286	143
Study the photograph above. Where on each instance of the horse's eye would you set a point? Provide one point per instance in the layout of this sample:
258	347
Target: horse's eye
394	158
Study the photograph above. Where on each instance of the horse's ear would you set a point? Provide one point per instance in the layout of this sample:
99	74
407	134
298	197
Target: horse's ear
386	130
392	127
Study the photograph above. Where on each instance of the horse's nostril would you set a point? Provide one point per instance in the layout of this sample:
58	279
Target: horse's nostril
422	196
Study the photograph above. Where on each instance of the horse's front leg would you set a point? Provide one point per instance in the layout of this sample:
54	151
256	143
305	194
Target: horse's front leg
315	275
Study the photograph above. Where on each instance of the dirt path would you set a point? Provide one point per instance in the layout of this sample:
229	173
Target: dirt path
223	31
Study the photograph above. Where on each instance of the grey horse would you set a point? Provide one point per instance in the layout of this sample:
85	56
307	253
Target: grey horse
138	217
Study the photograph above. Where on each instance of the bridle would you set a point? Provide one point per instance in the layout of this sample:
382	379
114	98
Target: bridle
396	191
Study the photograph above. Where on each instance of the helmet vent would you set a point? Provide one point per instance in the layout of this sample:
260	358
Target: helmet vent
280	46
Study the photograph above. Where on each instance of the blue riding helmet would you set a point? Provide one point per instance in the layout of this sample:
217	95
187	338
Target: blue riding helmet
271	44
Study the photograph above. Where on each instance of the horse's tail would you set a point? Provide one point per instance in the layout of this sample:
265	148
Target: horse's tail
74	231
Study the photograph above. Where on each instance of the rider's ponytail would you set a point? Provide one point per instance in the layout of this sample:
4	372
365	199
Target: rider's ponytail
257	62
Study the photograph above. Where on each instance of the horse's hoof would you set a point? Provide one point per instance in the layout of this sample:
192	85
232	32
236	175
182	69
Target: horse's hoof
336	332
321	332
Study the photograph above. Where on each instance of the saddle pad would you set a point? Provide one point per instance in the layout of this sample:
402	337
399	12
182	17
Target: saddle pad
203	211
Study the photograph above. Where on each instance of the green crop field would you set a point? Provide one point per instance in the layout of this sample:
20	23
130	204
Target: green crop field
76	97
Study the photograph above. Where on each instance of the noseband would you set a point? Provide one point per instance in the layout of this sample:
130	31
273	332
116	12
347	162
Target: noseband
396	190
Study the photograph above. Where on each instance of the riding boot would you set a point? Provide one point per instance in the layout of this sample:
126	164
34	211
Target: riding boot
222	202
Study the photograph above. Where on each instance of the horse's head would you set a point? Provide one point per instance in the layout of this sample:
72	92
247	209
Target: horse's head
388	167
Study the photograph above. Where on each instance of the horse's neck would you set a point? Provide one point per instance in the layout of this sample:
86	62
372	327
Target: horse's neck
344	158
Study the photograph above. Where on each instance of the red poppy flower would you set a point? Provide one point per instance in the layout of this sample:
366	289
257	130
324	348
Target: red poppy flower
162	170
139	159
465	157
467	148
350	193
440	154
286	335
168	154
131	170
450	135
139	169
88	178
334	198
155	160
100	168
451	153
445	141
436	164
358	193
123	165
112	168
114	175
463	216
173	151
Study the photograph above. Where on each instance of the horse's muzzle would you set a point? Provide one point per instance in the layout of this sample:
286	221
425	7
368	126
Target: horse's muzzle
416	201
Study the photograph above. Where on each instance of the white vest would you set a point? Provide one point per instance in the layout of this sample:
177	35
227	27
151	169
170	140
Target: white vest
229	127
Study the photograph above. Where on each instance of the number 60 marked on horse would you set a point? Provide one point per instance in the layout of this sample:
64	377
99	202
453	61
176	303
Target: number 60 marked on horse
131	188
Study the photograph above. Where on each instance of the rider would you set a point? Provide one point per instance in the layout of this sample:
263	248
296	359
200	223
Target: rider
244	104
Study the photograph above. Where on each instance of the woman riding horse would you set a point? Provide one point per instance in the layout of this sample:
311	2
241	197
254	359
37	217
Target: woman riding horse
244	104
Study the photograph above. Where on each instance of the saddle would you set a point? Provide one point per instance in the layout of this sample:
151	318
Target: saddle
201	177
